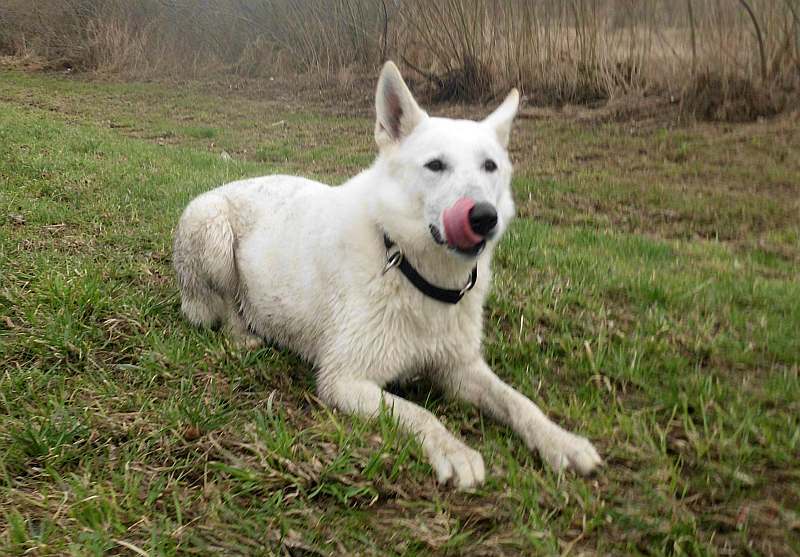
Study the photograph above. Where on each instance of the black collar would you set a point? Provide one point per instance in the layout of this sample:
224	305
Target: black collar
446	295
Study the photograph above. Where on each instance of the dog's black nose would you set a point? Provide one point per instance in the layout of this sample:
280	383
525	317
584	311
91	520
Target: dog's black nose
482	218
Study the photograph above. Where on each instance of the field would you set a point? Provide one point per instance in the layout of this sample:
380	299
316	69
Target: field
647	297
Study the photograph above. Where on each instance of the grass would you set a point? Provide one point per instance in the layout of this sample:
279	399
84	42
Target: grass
647	298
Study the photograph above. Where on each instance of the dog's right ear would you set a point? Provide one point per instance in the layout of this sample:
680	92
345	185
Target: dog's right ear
396	110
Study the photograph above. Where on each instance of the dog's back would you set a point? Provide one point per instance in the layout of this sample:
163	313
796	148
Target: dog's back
266	214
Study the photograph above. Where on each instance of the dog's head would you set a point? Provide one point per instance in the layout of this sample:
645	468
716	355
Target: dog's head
448	182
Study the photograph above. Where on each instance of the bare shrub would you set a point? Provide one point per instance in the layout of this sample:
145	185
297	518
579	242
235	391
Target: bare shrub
729	99
50	30
556	51
583	51
317	36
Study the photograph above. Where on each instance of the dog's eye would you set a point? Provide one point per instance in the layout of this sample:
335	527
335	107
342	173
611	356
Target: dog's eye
489	165
436	165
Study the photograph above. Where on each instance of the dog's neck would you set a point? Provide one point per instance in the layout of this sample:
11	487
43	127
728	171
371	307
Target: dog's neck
437	264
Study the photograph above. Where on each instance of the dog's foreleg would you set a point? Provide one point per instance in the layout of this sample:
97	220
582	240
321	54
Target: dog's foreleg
450	458
476	383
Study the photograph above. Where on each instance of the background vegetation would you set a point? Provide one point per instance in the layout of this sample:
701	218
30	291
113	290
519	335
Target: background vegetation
722	59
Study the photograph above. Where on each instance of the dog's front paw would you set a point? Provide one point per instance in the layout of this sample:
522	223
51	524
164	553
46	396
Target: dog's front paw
566	451
454	462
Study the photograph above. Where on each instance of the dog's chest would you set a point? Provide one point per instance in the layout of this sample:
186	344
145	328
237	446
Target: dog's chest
401	337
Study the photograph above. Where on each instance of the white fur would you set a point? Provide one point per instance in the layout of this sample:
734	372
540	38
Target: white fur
299	263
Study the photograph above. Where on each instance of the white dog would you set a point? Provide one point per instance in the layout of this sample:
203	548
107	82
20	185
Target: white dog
378	279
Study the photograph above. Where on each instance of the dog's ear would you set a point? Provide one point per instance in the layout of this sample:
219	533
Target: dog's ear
503	116
397	111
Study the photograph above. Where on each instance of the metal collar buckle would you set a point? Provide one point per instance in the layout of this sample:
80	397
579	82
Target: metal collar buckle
396	258
392	260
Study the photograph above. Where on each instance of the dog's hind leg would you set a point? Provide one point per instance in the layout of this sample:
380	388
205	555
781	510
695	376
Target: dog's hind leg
203	258
239	331
205	262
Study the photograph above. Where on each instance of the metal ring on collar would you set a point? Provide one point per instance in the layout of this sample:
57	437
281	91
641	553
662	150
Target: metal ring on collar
470	283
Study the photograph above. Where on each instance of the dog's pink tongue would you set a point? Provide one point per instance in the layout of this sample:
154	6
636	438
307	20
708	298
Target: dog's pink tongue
456	224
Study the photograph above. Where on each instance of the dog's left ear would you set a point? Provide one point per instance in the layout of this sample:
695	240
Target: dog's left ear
396	110
503	116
